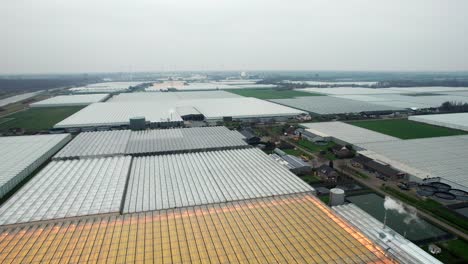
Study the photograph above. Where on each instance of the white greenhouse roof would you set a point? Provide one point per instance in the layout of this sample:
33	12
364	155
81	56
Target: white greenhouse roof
71	100
179	180
429	89
456	121
119	113
395	244
183	139
213	104
350	91
17	98
239	81
204	86
243	107
95	144
21	155
342	83
346	132
408	99
107	143
106	87
443	157
332	105
69	188
171	96
207	86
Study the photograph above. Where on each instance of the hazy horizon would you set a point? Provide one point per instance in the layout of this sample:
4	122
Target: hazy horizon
208	35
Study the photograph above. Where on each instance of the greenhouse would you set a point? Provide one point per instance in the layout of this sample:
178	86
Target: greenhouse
455	121
180	180
71	100
68	189
281	229
23	154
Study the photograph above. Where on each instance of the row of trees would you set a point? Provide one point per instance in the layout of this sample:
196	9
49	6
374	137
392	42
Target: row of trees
454	107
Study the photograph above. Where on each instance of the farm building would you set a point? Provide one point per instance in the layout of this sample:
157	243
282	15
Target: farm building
71	100
20	156
383	170
250	136
327	173
293	163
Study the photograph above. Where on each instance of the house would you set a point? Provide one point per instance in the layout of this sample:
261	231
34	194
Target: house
343	153
383	170
360	161
250	136
435	250
327	173
293	163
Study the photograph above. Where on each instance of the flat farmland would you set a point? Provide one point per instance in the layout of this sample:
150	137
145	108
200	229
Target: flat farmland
406	129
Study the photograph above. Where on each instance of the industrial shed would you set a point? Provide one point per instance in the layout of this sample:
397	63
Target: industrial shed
281	229
181	180
189	113
455	121
293	163
119	113
343	133
396	246
158	141
71	100
68	189
443	157
20	156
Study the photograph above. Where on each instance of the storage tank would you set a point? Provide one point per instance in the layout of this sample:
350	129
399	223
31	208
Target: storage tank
337	197
460	194
137	123
426	190
441	187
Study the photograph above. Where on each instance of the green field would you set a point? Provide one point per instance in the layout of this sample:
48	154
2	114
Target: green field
271	93
37	119
314	148
406	129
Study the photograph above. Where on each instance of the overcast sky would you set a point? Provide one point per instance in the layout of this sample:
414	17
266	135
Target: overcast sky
46	36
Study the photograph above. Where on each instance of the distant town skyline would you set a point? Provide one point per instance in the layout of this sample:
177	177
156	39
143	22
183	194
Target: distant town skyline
142	35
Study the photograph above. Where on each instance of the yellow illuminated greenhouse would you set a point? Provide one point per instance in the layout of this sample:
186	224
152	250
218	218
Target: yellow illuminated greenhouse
285	229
